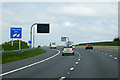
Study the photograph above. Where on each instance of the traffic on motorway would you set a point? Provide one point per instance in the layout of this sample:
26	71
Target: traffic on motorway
84	64
59	40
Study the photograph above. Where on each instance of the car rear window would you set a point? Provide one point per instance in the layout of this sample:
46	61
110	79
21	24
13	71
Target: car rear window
89	45
53	43
67	46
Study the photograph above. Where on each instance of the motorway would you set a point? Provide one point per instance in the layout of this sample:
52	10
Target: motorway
85	64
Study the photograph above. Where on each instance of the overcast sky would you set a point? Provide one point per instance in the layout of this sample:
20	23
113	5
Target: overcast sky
80	21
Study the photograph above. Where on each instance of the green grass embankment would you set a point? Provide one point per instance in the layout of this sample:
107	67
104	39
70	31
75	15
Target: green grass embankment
7	46
102	44
10	57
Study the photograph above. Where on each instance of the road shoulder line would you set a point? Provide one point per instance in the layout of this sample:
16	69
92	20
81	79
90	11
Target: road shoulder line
30	64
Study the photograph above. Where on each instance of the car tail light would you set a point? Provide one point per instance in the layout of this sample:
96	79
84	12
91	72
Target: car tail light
63	49
72	49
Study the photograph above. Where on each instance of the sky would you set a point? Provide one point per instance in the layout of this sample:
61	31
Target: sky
80	21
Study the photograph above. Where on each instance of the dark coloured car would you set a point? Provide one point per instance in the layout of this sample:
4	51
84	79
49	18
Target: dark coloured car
89	46
39	46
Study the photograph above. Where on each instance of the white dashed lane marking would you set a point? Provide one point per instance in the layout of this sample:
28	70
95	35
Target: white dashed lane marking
76	63
107	54
110	55
62	78
71	69
68	73
115	58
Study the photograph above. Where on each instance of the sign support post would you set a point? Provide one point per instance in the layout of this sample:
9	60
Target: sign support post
19	44
67	38
63	39
33	37
31	34
12	42
41	28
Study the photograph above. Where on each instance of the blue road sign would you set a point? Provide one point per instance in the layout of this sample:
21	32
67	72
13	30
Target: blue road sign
29	42
15	32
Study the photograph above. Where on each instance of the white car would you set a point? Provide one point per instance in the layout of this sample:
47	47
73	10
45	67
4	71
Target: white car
67	50
53	45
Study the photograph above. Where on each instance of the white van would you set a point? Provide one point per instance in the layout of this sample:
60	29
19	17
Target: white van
52	45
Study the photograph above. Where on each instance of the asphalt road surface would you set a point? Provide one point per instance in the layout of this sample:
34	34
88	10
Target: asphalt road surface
85	64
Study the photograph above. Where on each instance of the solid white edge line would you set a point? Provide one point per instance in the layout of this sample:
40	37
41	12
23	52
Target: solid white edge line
30	65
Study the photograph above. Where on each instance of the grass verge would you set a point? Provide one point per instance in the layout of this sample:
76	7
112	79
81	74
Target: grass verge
8	47
10	57
102	44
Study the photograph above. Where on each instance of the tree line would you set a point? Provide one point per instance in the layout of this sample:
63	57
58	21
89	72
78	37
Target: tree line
116	39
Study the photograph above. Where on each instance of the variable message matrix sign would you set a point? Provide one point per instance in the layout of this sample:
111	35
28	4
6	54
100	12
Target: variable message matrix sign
42	28
63	39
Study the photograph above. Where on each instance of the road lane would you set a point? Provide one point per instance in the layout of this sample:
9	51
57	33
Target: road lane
53	68
17	64
94	65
